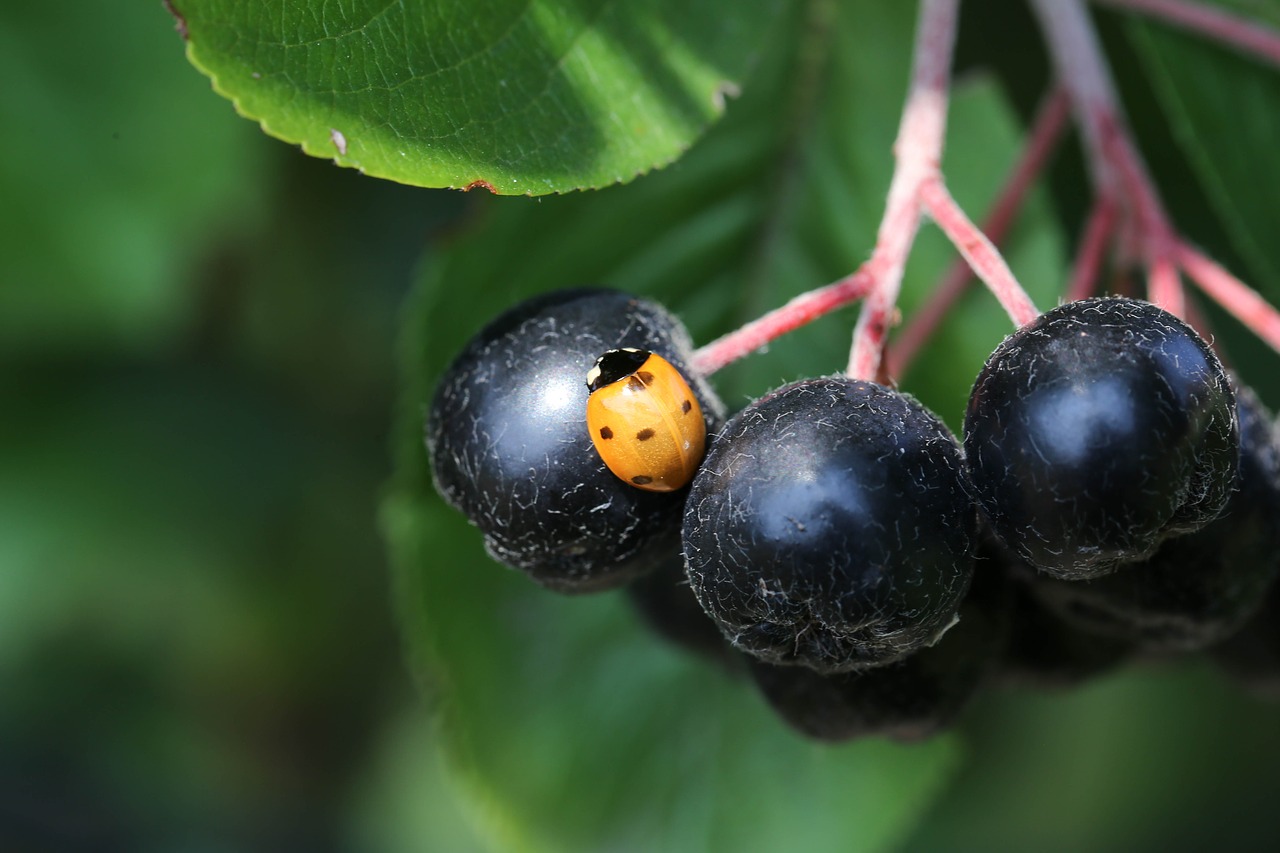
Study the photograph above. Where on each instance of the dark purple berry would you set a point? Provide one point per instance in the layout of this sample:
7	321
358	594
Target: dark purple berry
1098	430
667	605
829	527
1045	651
1199	588
910	700
509	445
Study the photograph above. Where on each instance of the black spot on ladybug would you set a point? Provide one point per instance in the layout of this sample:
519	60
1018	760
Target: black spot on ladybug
685	407
634	384
645	434
606	433
641	480
645	376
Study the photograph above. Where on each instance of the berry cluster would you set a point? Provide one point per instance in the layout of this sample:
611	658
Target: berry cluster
1115	493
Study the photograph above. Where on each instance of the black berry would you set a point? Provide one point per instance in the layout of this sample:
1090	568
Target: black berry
829	527
509	445
1199	588
909	700
1097	431
1045	651
667	605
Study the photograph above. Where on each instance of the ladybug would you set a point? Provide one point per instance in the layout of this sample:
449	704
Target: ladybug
644	420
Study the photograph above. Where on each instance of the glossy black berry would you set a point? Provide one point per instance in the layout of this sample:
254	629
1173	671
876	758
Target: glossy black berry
1098	430
910	700
829	527
509	446
1199	588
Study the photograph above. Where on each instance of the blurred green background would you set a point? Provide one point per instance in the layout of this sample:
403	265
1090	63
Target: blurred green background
197	330
197	373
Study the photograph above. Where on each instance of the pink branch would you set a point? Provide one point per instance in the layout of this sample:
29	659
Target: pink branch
799	311
978	251
1238	32
1117	167
916	184
918	153
1127	216
1155	235
1097	231
1242	301
1081	70
1124	177
1042	140
1164	288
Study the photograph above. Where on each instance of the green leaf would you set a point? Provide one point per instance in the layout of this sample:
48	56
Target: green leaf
117	178
515	96
567	726
1224	109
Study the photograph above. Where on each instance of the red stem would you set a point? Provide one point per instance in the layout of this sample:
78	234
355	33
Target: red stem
1240	300
1164	287
916	184
1042	140
918	155
799	311
1156	236
978	251
1235	31
1117	167
1097	233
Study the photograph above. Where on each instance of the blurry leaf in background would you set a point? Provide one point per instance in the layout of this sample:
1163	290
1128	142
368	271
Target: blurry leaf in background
1161	757
116	176
405	801
196	326
313	294
569	727
192	602
524	97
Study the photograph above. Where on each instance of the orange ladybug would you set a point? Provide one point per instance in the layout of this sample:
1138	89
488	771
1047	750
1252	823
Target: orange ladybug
644	420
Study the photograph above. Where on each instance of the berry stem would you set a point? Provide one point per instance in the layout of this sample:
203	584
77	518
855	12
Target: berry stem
803	309
1235	31
1120	174
1093	245
918	157
1116	166
1081	70
1042	140
1164	287
1240	300
979	251
918	154
1155	236
917	185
